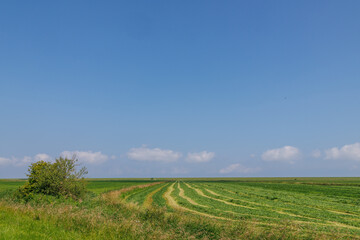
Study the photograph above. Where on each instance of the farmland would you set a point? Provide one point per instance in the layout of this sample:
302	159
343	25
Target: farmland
230	208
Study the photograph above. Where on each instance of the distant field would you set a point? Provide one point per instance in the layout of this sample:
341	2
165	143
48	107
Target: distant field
94	185
7	184
313	205
100	186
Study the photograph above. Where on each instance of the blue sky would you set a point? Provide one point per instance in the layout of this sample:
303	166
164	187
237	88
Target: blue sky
181	88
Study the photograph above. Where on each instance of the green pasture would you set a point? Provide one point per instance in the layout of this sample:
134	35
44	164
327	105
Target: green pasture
308	207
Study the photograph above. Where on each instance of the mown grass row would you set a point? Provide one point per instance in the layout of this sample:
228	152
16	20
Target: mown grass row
306	205
140	196
286	202
220	202
223	204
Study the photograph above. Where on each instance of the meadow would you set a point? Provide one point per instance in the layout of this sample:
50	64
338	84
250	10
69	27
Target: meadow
204	208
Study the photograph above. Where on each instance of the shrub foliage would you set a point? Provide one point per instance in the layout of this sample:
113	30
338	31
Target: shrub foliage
57	179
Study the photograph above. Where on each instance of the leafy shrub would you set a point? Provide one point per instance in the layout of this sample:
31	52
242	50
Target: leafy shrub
56	179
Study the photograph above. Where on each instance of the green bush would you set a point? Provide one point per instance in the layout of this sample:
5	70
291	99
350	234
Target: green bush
56	179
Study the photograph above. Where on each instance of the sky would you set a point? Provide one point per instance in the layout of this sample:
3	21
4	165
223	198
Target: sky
181	88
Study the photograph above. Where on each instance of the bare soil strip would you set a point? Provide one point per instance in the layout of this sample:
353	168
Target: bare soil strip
149	198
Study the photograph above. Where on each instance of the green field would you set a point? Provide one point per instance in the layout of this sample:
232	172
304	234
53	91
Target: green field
228	208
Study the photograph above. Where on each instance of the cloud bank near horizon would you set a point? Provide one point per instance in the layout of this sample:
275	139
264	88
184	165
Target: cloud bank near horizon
174	162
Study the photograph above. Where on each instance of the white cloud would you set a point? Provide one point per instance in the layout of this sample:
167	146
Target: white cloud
42	156
16	161
285	154
349	152
5	161
27	160
238	168
24	161
86	157
200	157
153	154
316	153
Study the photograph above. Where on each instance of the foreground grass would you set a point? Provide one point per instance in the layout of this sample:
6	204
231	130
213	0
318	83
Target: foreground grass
15	225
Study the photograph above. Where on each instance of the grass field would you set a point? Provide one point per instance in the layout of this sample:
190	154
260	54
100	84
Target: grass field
229	208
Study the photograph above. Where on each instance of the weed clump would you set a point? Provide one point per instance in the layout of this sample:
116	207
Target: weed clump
59	179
